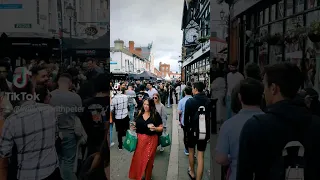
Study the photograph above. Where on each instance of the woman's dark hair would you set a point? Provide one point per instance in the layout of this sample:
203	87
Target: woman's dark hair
152	108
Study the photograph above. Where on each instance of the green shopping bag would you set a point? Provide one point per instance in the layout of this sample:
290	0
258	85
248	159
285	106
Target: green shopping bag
165	140
131	140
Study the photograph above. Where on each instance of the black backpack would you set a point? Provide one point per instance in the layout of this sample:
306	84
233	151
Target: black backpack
203	112
290	163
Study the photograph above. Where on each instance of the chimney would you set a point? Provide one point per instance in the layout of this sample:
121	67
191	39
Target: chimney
131	46
118	44
138	51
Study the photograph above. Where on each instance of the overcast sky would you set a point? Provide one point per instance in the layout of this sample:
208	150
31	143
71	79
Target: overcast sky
144	21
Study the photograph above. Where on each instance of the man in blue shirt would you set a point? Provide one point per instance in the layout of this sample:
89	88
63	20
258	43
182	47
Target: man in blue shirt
250	96
181	108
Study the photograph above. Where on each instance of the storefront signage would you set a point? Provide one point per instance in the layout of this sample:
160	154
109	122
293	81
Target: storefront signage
206	47
11	4
87	52
91	31
112	62
31	44
23	26
197	54
241	6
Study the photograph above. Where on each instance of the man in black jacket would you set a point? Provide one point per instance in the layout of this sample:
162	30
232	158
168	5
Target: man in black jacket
264	137
191	123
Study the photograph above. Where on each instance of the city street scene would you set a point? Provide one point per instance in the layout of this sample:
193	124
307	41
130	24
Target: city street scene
159	66
256	48
54	89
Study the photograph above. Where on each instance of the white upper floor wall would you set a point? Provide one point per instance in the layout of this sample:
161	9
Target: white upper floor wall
41	16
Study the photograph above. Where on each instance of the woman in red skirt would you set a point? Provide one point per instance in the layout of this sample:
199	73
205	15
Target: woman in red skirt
148	126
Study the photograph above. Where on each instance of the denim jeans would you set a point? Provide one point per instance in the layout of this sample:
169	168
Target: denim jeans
111	131
68	154
131	112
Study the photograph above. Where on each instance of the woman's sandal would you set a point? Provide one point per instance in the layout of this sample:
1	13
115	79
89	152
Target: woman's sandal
192	178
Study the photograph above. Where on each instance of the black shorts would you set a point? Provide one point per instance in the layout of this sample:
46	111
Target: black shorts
193	141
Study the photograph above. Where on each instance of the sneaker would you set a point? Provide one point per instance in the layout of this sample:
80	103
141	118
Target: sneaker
161	149
120	148
186	152
112	144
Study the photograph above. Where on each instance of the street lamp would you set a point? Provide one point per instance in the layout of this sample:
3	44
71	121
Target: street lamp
70	13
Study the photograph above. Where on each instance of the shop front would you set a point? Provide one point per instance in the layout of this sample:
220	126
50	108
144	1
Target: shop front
17	48
269	32
197	65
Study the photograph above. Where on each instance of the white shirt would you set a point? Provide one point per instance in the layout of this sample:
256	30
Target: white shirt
233	79
119	106
152	92
218	88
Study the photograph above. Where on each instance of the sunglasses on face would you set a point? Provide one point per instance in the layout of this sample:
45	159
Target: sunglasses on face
155	97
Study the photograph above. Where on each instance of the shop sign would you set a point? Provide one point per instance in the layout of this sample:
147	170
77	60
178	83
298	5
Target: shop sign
11	4
31	44
87	52
91	31
206	47
112	62
23	26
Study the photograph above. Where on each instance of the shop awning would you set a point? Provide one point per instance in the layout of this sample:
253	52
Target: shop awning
102	42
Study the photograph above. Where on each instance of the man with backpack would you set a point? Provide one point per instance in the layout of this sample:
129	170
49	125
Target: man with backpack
283	143
197	125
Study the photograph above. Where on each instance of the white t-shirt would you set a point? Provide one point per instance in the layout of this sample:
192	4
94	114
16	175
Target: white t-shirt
233	79
152	92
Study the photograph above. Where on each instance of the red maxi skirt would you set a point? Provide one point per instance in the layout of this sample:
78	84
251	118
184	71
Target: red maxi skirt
143	157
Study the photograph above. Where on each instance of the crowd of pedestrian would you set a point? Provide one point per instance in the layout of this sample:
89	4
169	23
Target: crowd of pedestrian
272	123
141	106
53	121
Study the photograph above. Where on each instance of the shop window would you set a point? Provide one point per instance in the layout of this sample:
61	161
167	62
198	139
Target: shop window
293	50
310	56
273	12
289	8
299	5
263	50
275	53
266	15
261	18
312	4
280	9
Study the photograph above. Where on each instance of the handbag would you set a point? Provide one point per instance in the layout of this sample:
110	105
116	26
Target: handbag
165	140
131	140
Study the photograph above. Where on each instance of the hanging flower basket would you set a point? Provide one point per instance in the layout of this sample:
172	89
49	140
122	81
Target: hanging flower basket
275	39
314	33
203	39
314	37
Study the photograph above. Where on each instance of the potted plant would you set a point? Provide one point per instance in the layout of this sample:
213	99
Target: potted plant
259	40
204	39
290	37
314	32
274	39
